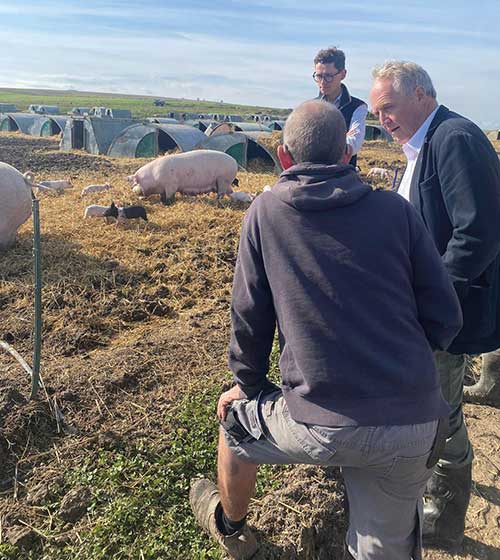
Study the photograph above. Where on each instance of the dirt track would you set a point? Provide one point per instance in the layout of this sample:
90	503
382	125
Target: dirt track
134	320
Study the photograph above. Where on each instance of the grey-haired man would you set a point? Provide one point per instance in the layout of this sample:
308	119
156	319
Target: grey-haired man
453	179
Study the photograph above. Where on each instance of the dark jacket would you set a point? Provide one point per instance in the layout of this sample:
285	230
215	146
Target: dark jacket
347	106
360	296
456	189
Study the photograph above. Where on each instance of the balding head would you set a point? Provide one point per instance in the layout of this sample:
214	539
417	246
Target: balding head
315	132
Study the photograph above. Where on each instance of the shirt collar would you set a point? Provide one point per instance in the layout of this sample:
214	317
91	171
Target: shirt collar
414	145
336	102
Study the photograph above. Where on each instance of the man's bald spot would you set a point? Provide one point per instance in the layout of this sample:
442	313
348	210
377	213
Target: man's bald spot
315	132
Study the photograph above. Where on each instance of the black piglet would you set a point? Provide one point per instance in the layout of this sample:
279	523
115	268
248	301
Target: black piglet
131	212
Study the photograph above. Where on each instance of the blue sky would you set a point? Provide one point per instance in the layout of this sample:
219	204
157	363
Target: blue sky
257	52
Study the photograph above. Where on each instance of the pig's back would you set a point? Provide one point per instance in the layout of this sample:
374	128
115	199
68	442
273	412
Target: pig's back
196	169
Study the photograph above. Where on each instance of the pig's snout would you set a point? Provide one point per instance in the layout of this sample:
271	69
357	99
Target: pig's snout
138	190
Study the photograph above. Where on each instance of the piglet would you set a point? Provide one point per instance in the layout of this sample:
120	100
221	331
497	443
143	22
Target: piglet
379	172
96	211
241	196
55	186
95	188
131	212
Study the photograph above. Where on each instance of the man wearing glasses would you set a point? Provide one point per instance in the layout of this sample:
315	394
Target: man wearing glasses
329	71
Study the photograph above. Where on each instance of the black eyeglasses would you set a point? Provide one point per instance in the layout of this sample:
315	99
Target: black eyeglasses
325	77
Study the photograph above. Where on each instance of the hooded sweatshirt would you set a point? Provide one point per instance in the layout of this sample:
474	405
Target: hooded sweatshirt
359	295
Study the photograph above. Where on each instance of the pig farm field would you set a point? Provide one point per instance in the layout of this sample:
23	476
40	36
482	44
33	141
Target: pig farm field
134	357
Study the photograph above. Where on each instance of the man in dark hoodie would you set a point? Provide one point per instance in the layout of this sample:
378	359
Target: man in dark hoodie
360	298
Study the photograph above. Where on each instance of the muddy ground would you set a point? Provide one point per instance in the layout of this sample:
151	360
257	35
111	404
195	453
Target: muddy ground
136	320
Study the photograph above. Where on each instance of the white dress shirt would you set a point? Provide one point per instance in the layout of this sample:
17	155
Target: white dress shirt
356	133
412	150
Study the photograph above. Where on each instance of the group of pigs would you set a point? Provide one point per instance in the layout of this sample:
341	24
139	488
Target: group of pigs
190	173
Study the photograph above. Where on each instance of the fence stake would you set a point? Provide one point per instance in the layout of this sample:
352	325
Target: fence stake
37	330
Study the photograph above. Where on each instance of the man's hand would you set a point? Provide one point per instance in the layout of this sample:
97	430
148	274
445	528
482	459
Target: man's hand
234	394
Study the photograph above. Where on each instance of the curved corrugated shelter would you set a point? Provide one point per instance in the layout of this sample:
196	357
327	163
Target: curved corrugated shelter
180	136
7	123
42	127
49	126
79	111
200	124
257	150
48	109
60	121
250	127
138	140
163	120
234	144
93	134
44	109
376	132
24	122
216	128
119	113
277	125
152	139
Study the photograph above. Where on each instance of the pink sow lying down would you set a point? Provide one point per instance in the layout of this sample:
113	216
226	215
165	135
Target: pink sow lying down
192	173
15	203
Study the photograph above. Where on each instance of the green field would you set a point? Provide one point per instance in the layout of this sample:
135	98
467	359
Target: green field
141	106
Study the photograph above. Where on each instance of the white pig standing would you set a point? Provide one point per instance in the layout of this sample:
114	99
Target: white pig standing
191	173
15	202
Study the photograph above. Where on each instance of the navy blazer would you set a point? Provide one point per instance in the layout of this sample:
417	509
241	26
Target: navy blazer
456	189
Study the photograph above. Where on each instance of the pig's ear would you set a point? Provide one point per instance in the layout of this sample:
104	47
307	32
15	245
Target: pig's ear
285	157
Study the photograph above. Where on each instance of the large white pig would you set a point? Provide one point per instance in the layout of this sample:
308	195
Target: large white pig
15	202
192	173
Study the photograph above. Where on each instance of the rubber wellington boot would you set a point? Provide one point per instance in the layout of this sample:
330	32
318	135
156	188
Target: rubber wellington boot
445	504
205	501
487	389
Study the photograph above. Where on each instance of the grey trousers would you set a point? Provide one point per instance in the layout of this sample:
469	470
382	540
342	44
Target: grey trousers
384	469
458	449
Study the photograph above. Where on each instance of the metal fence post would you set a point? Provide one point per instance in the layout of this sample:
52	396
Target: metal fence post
37	269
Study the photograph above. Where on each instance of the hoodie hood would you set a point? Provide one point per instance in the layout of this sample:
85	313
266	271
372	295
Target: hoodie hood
315	186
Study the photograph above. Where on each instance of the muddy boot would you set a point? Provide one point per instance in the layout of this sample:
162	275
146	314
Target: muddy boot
487	389
445	504
205	501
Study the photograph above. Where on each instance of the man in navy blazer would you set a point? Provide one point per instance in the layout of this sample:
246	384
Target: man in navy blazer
453	179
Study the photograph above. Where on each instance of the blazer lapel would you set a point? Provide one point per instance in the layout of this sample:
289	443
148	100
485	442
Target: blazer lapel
419	172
